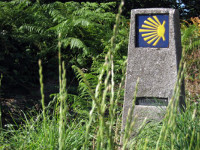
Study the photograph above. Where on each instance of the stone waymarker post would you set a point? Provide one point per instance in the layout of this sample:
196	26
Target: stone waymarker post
153	55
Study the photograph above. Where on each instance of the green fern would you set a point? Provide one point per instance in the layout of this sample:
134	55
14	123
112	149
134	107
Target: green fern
29	32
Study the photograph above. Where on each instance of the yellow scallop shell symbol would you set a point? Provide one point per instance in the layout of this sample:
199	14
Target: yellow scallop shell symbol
153	30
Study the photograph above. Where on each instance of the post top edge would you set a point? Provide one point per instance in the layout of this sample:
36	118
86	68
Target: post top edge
150	10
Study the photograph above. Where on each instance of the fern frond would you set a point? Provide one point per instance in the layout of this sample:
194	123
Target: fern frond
82	22
75	43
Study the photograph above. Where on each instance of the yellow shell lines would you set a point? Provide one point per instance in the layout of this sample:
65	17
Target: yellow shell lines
154	30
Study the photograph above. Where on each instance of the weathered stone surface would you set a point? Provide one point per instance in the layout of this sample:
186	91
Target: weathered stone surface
157	68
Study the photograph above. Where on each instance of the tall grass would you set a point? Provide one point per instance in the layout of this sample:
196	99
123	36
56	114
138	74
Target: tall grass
0	103
103	99
54	129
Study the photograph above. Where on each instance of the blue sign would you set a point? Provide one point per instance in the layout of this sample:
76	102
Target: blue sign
152	31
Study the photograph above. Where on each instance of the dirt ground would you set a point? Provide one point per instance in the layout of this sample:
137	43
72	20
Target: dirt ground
13	109
15	106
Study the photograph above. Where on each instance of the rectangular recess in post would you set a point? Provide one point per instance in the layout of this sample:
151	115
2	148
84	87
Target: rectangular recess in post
151	101
152	30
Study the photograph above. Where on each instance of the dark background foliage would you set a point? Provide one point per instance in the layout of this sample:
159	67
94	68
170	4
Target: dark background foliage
29	31
187	8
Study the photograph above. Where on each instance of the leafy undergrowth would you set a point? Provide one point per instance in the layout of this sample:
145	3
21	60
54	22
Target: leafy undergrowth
100	128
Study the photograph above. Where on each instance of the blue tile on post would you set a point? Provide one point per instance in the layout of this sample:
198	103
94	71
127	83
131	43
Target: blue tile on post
152	31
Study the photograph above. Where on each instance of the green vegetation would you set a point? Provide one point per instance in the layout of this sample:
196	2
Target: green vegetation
79	39
29	32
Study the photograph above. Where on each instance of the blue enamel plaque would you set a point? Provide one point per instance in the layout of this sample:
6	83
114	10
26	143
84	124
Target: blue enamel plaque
152	31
